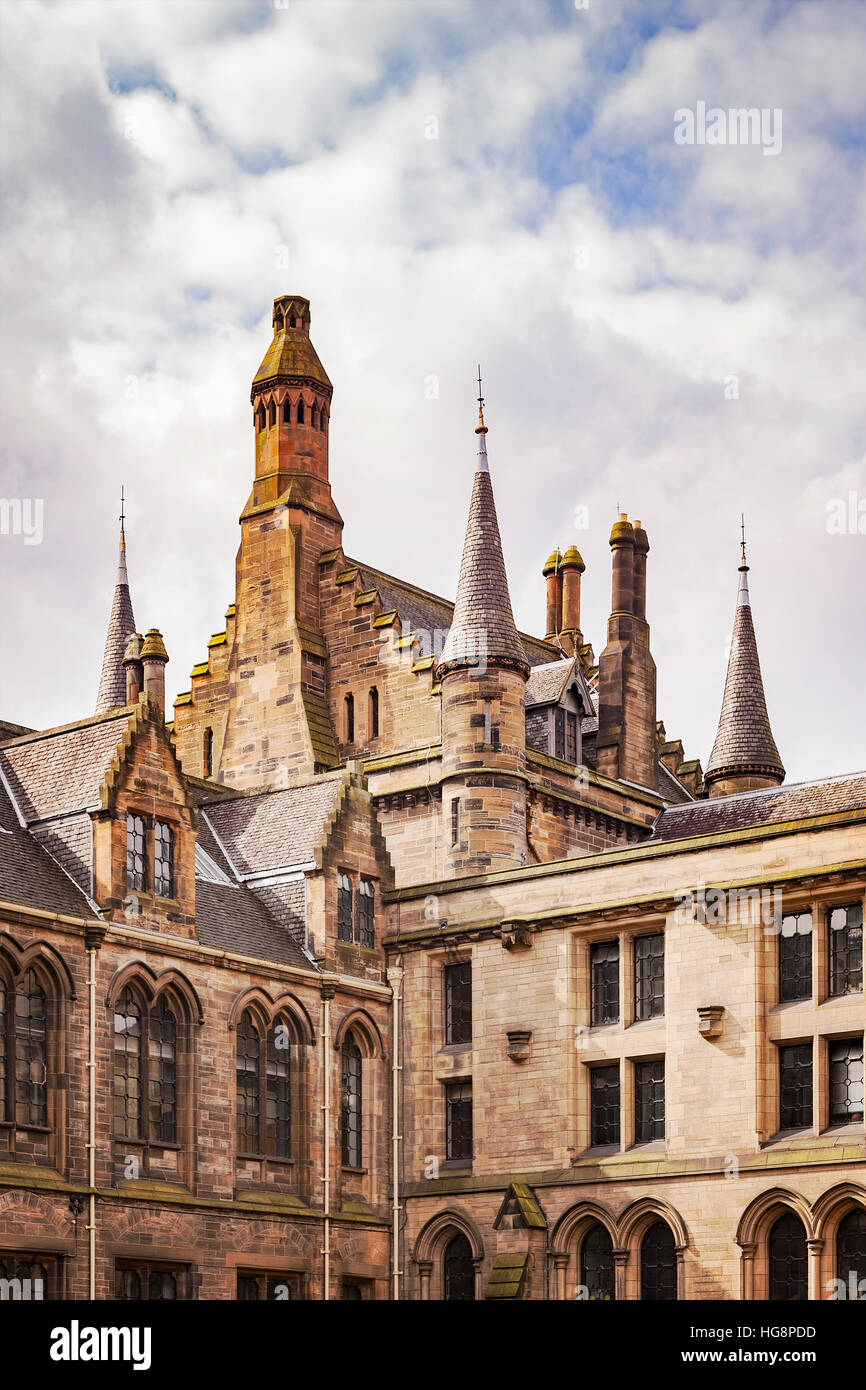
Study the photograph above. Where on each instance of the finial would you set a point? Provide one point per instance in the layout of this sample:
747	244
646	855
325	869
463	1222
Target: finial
480	428
122	515
743	564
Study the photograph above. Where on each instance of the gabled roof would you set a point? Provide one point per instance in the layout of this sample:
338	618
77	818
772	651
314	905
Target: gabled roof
275	829
231	918
29	877
427	613
60	771
769	806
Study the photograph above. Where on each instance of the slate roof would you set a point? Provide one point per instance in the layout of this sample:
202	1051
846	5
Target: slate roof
273	829
29	876
60	771
121	623
234	919
546	683
426	613
670	788
483	628
744	741
766	807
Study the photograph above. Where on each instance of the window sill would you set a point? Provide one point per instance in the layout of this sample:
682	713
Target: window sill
451	1048
355	1172
31	1129
456	1166
266	1158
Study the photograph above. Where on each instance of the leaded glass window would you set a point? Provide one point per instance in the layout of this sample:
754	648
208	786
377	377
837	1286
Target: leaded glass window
604	1104
152	1283
31	1052
458	1003
845	926
344	907
649	1101
658	1265
249	1095
571	737
163	860
458	1271
795	1086
260	1287
559	732
851	1252
352	1113
795	957
162	1073
366	914
788	1260
458	1120
596	1265
846	1081
278	1124
604	982
136	854
28	1278
649	976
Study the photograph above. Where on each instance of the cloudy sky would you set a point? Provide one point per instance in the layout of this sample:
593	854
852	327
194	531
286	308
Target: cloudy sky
675	328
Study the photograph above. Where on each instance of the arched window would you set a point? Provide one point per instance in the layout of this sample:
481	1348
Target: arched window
145	1070
458	1270
207	753
287	411
300	410
30	1042
352	1104
788	1260
350	719
272	415
264	1095
596	1264
324	418
314	418
260	418
658	1264
851	1251
374	712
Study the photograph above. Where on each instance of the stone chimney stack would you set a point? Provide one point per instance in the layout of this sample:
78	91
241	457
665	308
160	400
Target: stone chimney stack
571	568
132	667
154	659
553	575
627	737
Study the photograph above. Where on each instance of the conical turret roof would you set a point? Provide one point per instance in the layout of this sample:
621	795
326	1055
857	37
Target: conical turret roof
112	681
291	353
744	741
483	630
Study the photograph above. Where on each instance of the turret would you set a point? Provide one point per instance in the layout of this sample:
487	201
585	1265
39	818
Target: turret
744	756
112	679
483	671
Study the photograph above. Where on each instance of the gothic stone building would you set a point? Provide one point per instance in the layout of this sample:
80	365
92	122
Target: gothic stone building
412	958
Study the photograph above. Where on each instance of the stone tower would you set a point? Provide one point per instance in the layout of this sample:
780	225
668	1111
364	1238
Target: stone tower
483	671
278	728
744	756
627	734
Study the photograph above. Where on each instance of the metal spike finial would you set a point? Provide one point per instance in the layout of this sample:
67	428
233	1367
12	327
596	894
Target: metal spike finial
480	428
122	514
743	564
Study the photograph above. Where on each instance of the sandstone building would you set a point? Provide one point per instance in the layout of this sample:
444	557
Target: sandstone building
411	958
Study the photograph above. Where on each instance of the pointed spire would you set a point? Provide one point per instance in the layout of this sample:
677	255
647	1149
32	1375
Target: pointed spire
744	747
112	681
483	630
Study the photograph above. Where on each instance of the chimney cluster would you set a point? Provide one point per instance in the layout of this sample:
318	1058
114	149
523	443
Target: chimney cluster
144	662
562	572
627	740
